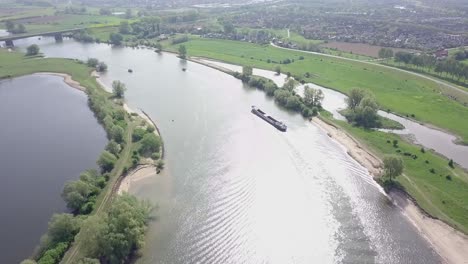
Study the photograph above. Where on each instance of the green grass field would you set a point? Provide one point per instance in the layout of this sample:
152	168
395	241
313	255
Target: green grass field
440	197
399	92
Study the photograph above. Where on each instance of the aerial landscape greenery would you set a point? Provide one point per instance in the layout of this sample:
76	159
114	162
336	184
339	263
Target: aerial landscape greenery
412	66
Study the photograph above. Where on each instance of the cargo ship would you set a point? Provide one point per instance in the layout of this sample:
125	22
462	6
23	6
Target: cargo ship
279	125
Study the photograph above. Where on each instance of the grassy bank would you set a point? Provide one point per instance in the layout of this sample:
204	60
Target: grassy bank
108	110
397	91
437	188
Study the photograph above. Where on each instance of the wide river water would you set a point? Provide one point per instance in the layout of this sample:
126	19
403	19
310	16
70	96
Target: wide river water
236	190
48	136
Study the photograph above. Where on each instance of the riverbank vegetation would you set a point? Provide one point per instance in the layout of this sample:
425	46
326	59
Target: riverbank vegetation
437	188
400	92
94	192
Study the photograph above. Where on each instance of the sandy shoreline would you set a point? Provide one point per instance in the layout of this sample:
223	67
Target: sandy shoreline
66	78
450	244
142	171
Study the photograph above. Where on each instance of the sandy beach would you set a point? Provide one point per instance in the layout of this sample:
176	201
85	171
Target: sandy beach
449	243
67	79
139	173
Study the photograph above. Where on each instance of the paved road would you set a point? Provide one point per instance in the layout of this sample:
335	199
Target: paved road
440	82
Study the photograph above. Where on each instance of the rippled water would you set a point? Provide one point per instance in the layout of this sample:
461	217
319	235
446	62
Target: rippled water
48	136
236	190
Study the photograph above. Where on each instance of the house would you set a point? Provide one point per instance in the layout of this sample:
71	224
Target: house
441	54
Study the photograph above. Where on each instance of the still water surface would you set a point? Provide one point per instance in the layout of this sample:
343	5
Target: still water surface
48	136
235	189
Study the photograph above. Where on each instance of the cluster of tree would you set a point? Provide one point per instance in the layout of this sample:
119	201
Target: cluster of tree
179	40
287	97
115	39
60	234
111	238
80	195
460	54
182	52
186	16
362	109
385	53
147	27
118	89
14	28
83	36
32	50
449	66
100	66
105	11
75	10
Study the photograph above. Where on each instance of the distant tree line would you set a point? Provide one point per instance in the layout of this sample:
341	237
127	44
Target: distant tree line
448	67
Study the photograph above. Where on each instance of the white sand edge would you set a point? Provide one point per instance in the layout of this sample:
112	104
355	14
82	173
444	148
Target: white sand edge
450	244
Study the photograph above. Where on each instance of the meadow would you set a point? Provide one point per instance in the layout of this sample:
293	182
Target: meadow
402	93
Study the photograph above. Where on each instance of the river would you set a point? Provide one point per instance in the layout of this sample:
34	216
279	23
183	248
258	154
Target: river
236	190
48	136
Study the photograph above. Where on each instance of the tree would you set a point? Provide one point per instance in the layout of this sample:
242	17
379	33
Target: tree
451	163
158	47
105	12
113	147
313	97
101	67
10	26
278	70
62	228
149	144
118	89
355	97
124	28
92	62
128	13
290	85
293	102
106	161
385	53
247	70
113	236
160	164
32	50
182	51
117	134
115	38
138	134
393	166
281	96
366	113
20	29
76	194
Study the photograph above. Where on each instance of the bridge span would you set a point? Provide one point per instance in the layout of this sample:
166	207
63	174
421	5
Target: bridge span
57	34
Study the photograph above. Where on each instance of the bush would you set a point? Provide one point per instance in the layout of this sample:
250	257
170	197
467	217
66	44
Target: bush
448	177
92	62
101	67
54	255
451	163
117	134
106	161
149	144
432	171
138	134
32	50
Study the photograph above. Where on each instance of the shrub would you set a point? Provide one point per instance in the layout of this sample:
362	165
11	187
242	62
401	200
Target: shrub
138	134
432	171
451	163
106	161
32	50
448	177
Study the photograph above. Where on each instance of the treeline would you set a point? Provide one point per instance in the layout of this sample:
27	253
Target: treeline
115	242
448	67
14	28
286	96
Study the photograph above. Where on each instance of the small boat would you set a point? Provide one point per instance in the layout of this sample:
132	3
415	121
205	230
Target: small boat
130	70
184	69
270	120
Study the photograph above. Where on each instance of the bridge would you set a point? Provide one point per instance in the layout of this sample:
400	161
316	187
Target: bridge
57	34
